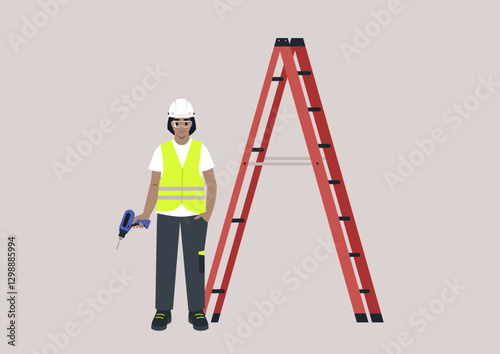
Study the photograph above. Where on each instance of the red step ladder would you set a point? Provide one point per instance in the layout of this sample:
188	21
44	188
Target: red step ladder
326	178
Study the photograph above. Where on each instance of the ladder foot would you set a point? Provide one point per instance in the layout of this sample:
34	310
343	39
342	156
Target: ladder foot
361	317
215	317
376	317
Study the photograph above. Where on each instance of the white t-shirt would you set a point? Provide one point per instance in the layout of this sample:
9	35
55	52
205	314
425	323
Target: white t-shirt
206	164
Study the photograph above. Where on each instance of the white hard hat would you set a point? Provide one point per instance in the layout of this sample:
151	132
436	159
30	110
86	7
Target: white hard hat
181	108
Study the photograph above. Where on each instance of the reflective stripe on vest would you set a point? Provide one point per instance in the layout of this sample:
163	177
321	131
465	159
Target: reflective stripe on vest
181	185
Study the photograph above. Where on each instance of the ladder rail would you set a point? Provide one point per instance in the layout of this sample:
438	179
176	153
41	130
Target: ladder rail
241	174
336	174
322	180
251	193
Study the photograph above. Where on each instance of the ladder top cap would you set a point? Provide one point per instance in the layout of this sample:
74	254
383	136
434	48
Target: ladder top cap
297	42
294	42
281	42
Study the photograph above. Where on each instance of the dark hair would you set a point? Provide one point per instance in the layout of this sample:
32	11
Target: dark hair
191	131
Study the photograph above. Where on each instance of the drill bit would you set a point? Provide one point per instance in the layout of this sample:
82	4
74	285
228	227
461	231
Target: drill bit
118	243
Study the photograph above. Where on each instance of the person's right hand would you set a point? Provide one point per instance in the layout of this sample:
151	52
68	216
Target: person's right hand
140	217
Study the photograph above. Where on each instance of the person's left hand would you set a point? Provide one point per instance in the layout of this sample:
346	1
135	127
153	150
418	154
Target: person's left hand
205	216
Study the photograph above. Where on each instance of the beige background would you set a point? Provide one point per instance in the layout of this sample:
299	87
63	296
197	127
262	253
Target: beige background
439	224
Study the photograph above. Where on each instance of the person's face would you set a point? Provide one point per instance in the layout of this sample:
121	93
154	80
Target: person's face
181	126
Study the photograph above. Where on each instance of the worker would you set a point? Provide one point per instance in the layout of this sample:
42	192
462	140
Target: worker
178	190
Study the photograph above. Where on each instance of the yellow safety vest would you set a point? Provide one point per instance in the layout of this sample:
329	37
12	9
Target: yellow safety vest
181	185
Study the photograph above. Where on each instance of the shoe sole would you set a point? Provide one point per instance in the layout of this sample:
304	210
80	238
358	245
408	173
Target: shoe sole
161	328
198	328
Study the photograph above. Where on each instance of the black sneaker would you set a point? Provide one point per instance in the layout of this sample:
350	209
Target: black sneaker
161	320
198	320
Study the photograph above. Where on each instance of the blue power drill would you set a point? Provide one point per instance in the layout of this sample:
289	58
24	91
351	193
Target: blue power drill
126	224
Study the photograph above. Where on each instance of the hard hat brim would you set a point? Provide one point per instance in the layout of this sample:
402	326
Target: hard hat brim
181	116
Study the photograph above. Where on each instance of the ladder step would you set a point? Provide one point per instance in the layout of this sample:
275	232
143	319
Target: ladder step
334	181
376	317
314	109
345	218
218	291
215	317
257	149
238	220
354	255
364	291
304	72
361	317
324	145
277	78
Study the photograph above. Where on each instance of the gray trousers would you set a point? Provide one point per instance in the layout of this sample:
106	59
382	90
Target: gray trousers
194	233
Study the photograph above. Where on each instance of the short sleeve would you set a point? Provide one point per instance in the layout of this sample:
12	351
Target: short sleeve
156	163
206	162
